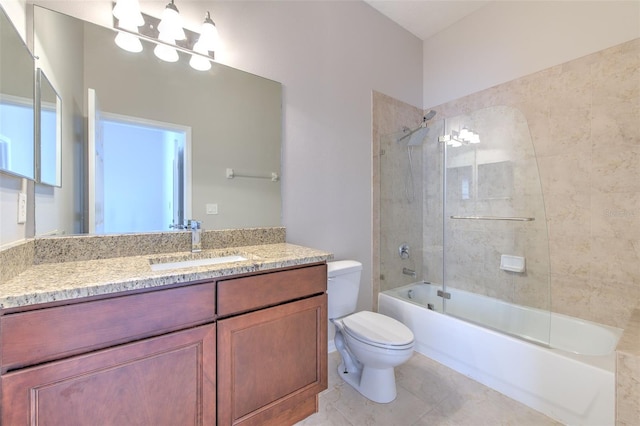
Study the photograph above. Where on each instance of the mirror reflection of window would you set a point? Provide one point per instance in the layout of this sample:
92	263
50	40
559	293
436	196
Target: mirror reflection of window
466	189
16	133
49	131
5	146
17	82
48	142
144	168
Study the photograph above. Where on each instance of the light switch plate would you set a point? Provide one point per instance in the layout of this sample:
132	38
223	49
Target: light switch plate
212	208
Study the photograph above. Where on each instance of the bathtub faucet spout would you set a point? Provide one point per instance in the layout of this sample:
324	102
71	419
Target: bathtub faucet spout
409	272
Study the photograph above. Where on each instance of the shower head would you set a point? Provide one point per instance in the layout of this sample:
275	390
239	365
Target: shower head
429	115
417	135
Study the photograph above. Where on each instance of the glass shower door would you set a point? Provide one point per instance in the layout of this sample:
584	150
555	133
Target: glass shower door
495	259
410	214
400	212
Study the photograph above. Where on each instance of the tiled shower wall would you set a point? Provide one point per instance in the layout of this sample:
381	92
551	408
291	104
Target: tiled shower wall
583	116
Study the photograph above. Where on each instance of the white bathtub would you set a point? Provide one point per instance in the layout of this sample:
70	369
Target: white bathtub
572	380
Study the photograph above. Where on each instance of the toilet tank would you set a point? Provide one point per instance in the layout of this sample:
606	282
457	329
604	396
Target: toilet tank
342	287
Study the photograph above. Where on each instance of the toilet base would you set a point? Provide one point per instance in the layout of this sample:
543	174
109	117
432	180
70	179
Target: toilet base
378	385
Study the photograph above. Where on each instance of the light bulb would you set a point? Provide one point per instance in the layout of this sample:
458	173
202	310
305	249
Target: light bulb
465	134
171	23
128	10
128	42
164	52
198	62
129	19
209	34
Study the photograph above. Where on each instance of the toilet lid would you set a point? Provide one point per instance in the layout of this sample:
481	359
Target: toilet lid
378	328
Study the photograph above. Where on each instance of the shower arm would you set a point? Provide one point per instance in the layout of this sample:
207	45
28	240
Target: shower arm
409	132
428	116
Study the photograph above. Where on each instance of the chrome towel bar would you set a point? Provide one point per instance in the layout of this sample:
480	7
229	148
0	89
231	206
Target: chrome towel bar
516	219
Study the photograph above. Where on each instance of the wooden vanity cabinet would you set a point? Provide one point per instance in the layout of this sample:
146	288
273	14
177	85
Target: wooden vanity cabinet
272	361
160	358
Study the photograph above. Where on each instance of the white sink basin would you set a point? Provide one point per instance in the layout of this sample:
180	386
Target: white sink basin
196	262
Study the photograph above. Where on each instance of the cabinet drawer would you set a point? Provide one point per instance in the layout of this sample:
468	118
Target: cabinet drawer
33	337
255	292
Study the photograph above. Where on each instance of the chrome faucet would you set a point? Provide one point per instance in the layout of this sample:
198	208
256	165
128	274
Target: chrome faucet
196	241
408	271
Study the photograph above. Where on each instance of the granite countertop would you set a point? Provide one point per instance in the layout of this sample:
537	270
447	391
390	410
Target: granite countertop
52	282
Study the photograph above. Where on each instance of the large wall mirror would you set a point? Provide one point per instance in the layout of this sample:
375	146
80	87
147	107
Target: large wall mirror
149	143
17	153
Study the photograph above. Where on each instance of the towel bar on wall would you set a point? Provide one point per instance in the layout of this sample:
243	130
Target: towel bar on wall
274	177
517	219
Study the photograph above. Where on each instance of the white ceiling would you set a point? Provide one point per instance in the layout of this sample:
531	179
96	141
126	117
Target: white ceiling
424	18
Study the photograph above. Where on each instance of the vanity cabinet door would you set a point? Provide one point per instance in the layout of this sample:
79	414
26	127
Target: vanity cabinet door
272	363
167	380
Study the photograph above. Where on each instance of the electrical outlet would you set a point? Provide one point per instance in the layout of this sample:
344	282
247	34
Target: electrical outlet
22	208
212	208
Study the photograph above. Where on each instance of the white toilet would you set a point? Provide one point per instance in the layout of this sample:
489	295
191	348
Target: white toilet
370	344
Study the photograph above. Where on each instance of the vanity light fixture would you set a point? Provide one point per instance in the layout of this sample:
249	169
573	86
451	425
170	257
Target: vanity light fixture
454	142
129	18
167	33
465	134
463	137
199	62
164	51
469	136
170	30
208	42
171	23
209	34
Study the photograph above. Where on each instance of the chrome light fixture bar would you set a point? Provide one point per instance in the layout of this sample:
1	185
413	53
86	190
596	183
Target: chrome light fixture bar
149	30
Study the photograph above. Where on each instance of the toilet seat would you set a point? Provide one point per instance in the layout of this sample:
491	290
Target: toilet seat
378	330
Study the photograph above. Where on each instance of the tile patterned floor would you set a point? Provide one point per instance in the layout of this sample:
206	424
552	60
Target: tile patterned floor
428	394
